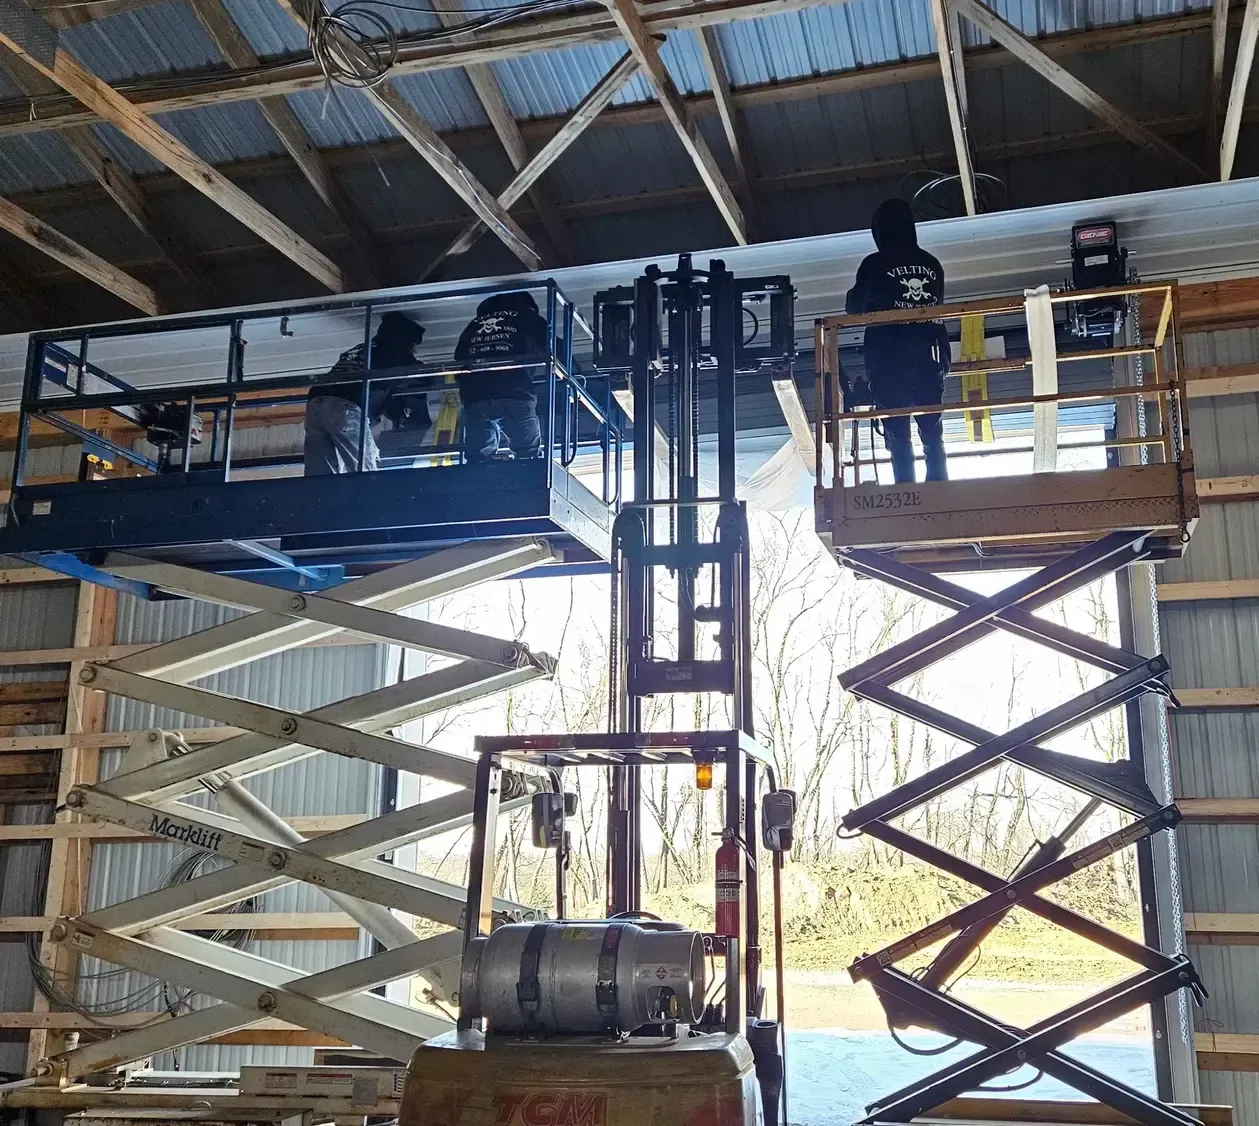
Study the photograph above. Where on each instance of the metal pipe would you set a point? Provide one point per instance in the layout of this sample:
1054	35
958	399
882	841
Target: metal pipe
381	923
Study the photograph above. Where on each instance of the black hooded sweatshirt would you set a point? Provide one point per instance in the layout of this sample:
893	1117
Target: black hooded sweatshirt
507	328
899	275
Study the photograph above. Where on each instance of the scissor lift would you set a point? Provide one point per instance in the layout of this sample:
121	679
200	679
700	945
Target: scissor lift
1076	527
254	536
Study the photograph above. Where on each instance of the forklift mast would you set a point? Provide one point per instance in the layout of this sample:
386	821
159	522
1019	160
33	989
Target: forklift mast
671	332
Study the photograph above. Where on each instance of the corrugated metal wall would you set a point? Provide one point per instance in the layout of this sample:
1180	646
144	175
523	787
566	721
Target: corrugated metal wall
1215	644
42	617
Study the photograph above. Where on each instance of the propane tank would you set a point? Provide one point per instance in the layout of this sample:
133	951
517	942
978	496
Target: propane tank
729	881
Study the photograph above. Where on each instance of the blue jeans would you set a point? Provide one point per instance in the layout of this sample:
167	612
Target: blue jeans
487	422
332	434
914	386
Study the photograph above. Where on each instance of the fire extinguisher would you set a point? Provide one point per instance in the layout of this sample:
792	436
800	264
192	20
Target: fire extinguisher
729	880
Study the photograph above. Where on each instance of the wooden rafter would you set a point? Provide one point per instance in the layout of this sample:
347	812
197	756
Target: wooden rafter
422	137
731	124
1022	48
77	12
1237	91
207	88
647	51
35	232
503	121
118	183
949	51
589	108
369	265
75	79
1215	89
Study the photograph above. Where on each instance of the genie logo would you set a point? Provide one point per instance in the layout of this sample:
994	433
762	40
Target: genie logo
194	835
553	1108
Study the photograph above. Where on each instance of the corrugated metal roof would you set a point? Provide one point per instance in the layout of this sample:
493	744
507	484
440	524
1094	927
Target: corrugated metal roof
166	38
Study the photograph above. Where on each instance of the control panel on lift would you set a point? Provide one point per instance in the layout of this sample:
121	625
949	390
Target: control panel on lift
1097	262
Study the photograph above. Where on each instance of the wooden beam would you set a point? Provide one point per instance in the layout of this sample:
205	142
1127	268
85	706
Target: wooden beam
28	576
162	94
1215	84
1225	698
647	51
14	766
423	138
745	167
65	893
369	264
73	77
1227	1051
1202	592
309	926
507	129
117	182
587	110
1235	379
1232	929
441	158
1218	811
1057	75
75	13
1215	489
1237	91
973	1110
948	49
30	691
35	232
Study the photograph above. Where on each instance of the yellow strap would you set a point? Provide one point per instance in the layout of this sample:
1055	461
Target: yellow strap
975	383
446	426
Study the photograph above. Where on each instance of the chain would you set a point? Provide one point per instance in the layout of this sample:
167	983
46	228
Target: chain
614	644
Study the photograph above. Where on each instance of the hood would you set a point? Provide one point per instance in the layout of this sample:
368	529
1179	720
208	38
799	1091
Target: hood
514	301
893	225
398	329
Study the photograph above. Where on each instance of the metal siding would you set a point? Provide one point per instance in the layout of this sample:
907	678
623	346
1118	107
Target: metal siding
1215	644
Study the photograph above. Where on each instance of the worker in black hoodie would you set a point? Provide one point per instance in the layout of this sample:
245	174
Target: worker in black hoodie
906	363
497	392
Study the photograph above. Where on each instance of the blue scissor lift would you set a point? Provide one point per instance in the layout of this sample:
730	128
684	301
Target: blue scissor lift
177	496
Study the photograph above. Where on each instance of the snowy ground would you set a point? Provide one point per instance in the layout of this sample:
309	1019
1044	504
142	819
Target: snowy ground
832	1075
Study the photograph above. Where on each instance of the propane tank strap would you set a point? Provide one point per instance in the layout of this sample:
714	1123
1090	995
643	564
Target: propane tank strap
528	989
605	984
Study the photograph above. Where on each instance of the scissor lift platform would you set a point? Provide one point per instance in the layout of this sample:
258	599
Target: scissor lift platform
1031	519
219	381
1003	522
376	517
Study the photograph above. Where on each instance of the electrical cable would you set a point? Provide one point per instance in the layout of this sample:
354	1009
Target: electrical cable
157	996
756	326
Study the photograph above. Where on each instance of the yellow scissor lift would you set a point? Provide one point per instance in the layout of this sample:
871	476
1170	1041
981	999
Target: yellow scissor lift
1066	529
1015	521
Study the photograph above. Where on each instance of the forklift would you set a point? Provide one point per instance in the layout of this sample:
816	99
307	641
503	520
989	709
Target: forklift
614	1021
